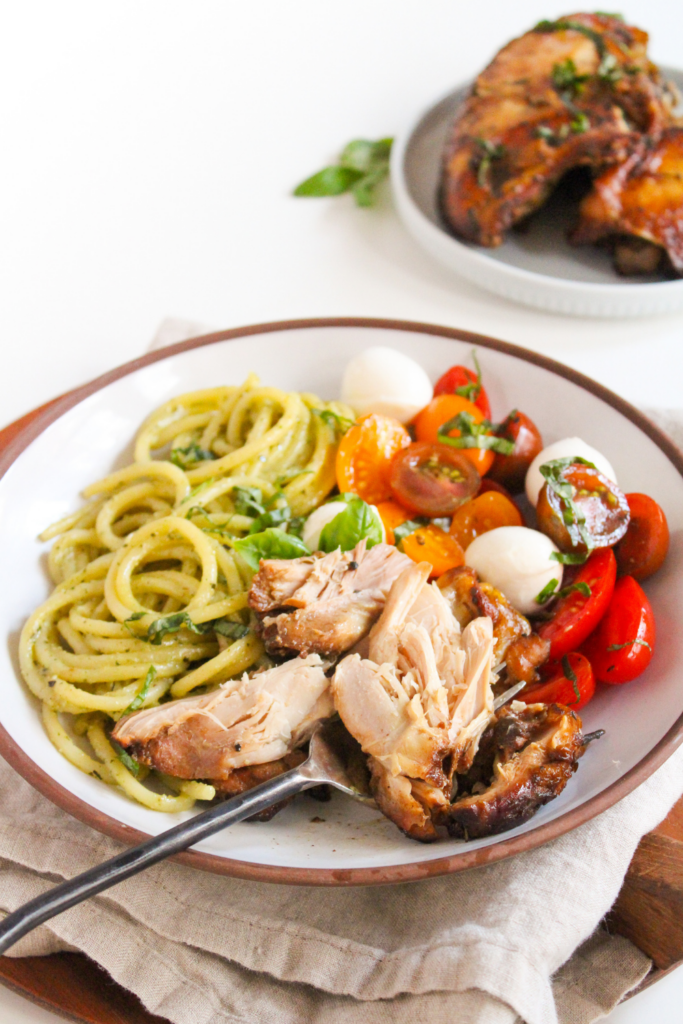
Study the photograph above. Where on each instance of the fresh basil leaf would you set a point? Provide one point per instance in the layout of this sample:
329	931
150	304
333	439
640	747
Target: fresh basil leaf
184	457
339	424
125	758
272	543
356	521
276	517
580	123
629	643
570	674
565	77
570	557
171	624
473	435
580	587
290	474
547	592
137	615
573	516
203	486
331	181
491	152
472	390
364	189
228	628
248	501
140	696
410	526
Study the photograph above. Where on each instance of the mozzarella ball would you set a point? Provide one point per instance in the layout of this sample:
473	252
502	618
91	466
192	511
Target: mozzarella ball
318	520
561	450
515	560
385	381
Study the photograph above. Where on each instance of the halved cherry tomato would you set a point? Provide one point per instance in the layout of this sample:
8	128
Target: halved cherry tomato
485	512
461	381
392	515
643	547
365	453
510	470
432	544
432	479
440	410
558	686
576	616
622	645
598	501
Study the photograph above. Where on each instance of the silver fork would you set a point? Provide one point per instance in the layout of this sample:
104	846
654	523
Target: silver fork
323	765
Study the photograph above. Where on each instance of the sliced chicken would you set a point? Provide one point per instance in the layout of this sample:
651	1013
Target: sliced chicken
576	91
643	199
420	702
323	604
532	751
248	721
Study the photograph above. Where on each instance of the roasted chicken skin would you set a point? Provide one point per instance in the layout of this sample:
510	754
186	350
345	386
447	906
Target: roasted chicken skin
533	751
577	91
323	604
642	198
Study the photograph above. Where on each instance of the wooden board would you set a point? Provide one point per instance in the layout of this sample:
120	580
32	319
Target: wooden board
648	911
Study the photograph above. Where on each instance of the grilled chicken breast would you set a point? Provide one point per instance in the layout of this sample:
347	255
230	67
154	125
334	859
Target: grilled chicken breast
248	721
423	696
577	91
323	604
641	198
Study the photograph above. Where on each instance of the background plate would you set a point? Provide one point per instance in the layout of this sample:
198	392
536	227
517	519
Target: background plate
91	431
538	268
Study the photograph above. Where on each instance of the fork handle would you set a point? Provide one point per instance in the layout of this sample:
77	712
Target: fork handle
137	858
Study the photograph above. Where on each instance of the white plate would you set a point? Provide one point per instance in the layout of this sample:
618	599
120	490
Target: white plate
92	432
538	268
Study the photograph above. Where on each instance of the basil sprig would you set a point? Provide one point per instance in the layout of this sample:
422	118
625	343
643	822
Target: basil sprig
572	514
473	435
355	522
362	166
271	543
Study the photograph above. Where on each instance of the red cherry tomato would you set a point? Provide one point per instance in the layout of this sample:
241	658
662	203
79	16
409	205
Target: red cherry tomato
576	616
643	547
461	381
570	681
510	470
432	479
622	645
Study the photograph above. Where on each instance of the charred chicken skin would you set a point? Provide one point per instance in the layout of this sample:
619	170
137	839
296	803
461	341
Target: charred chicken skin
641	198
576	91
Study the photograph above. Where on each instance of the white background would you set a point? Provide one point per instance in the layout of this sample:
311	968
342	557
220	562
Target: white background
148	154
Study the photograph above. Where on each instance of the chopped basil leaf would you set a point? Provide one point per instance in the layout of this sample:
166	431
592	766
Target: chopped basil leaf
570	674
473	435
490	153
609	70
551	137
566	78
136	615
339	424
573	516
362	166
200	487
228	628
184	457
581	587
125	758
276	517
405	529
295	526
272	543
570	557
580	123
248	501
472	390
547	592
565	24
171	624
140	696
355	522
629	643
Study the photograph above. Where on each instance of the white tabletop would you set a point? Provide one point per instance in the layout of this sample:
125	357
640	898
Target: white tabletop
149	152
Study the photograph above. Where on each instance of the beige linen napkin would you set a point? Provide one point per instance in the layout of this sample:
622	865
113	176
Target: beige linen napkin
515	940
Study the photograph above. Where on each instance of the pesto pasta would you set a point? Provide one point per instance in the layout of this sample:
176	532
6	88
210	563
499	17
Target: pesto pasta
150	598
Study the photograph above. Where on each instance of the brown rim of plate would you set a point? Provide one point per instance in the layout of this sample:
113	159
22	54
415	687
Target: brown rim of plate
60	796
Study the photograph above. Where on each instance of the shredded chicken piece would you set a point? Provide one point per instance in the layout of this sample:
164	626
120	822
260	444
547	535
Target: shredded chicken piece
246	721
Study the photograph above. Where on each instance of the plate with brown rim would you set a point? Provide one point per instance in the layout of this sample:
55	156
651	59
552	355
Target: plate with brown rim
86	434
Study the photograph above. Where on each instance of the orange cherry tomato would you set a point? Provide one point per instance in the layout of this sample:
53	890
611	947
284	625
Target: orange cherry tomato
486	512
442	409
432	544
570	682
365	453
392	515
643	547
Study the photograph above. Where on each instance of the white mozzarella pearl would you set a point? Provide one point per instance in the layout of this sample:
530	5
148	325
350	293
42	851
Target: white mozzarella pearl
562	450
515	560
383	380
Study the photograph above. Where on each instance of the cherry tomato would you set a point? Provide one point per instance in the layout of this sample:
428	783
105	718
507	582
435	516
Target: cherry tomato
432	544
558	686
576	616
392	515
599	501
432	479
365	453
643	548
487	484
440	410
622	645
485	512
461	381
510	470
